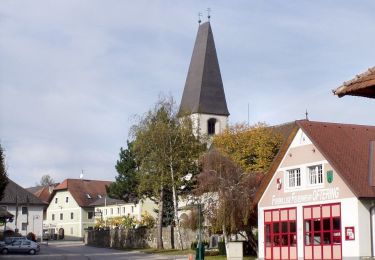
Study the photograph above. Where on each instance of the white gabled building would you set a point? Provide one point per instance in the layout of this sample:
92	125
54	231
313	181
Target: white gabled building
69	211
26	208
318	200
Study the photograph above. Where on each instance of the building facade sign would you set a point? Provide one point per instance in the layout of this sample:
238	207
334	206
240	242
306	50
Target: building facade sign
315	195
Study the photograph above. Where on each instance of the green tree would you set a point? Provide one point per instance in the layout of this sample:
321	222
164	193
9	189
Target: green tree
126	185
167	151
3	173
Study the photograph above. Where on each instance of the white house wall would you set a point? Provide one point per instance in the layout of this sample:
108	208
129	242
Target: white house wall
34	219
73	227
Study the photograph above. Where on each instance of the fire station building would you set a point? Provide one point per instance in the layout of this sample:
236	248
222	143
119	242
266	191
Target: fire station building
318	199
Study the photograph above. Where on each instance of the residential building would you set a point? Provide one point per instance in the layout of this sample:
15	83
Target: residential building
318	199
110	208
203	98
70	210
26	208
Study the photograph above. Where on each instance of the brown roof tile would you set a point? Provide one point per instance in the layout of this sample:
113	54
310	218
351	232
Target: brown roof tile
83	191
347	149
43	192
362	85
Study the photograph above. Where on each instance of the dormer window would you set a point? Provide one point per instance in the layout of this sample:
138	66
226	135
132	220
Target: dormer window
293	178
211	126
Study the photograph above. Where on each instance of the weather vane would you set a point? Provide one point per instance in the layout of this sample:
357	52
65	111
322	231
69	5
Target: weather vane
199	17
307	115
208	13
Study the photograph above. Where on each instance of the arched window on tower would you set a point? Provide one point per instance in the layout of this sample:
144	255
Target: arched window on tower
211	126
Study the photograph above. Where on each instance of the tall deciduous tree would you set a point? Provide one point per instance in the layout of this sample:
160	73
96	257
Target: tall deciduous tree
251	147
167	150
126	185
3	173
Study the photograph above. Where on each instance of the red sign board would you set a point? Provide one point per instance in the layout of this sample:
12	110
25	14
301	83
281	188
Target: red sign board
349	233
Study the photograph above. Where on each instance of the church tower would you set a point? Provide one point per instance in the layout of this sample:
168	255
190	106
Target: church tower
204	98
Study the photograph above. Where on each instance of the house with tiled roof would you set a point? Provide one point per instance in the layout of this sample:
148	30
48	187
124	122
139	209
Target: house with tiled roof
70	211
362	85
318	199
26	208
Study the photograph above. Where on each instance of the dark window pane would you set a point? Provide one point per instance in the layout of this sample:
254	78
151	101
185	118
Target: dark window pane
326	224
293	239
276	240
316	224
317	238
307	225
268	229
276	228
308	239
284	227
327	238
292	226
284	240
336	223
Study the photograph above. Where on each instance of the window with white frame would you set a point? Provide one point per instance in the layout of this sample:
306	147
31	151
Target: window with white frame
315	174
293	178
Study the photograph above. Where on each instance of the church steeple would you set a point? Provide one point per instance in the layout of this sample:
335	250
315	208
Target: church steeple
204	90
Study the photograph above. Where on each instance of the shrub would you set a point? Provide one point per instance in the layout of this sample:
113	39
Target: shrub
147	220
221	246
31	236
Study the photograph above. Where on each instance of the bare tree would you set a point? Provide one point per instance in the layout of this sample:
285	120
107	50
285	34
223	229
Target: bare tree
230	212
46	180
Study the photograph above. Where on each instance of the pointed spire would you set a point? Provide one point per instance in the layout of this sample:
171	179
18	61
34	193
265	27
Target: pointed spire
204	90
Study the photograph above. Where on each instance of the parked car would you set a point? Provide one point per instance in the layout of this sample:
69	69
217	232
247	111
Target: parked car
9	240
20	246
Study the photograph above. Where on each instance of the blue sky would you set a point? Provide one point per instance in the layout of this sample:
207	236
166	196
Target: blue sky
73	74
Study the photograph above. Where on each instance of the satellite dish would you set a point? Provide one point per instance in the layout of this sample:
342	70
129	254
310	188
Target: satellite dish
81	175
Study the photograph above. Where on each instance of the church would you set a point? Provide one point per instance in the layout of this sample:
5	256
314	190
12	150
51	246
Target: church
203	98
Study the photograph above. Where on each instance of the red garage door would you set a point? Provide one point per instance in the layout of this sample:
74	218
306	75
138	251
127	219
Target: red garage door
322	231
280	233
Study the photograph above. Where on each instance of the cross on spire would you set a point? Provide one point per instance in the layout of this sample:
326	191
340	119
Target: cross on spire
208	13
307	115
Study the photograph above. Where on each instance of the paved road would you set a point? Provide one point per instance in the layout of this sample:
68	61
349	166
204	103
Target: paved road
67	250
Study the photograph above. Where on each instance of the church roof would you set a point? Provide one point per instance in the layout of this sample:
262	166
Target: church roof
204	90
